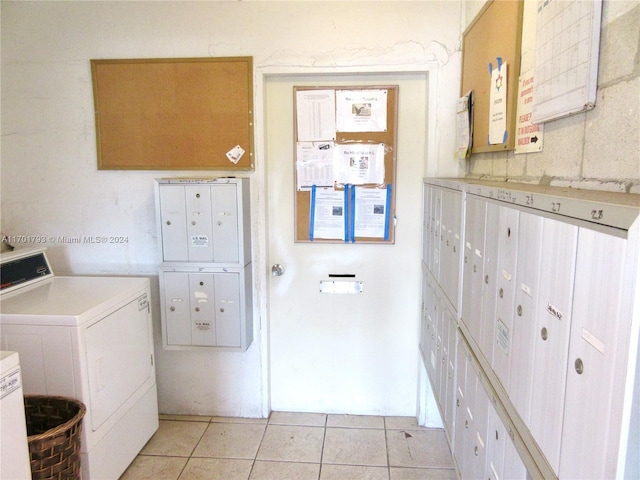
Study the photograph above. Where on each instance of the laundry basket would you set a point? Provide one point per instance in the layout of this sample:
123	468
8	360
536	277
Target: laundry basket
54	425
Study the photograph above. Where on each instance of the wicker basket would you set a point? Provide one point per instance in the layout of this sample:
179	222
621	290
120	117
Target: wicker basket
54	425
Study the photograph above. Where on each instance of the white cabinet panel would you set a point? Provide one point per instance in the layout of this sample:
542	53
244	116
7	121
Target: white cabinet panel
496	444
449	275
506	286
227	309
461	443
473	266
173	224
595	375
202	295
227	243
524	314
489	288
551	342
199	226
176	308
427	234
436	215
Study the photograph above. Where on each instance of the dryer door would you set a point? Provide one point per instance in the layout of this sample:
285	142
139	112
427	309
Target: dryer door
119	358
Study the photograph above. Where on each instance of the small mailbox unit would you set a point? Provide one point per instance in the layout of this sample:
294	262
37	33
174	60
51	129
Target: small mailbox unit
205	273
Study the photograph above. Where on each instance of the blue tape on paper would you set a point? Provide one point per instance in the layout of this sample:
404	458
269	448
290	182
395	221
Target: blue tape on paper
490	69
312	212
504	137
499	59
350	226
387	213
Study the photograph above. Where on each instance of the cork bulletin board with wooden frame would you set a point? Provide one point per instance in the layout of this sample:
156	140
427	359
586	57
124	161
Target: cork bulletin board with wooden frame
495	33
384	139
174	114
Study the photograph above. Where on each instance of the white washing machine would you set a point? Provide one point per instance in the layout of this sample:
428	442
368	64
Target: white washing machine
14	447
88	338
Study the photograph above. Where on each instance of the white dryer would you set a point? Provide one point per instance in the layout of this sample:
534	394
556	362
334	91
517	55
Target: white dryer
89	338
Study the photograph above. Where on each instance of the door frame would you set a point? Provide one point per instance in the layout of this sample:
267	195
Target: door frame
262	74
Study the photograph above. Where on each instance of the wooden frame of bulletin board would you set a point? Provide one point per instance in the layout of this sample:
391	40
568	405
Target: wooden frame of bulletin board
493	37
174	114
340	125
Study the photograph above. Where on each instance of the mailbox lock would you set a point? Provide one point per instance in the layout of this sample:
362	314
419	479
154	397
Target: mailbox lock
543	333
193	222
197	309
173	309
519	310
486	279
501	293
168	222
197	195
579	366
222	310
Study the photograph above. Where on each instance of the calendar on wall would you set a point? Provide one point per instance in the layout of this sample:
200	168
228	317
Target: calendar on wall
566	59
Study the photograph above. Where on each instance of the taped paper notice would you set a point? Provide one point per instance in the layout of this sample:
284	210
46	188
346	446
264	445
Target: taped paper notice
235	154
502	337
199	241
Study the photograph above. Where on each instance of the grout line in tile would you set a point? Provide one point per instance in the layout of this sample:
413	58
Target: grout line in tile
255	456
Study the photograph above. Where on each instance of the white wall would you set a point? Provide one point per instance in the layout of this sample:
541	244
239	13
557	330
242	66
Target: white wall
50	184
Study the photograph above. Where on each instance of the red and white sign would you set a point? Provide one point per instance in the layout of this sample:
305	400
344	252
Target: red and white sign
528	135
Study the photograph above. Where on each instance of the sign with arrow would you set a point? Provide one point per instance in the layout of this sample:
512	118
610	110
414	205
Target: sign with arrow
529	136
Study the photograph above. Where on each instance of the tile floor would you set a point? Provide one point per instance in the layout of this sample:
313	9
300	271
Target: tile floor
293	446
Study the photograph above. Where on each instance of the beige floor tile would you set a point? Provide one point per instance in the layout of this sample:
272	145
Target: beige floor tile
303	419
217	468
285	470
230	440
146	467
353	472
176	439
292	444
355	421
355	446
419	448
398	473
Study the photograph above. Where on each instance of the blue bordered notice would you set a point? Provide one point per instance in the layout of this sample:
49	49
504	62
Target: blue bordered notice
328	216
371	212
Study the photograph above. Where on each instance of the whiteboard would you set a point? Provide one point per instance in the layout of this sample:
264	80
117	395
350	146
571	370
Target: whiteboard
566	64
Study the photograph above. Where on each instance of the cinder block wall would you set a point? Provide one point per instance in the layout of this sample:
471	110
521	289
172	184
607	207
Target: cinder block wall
599	149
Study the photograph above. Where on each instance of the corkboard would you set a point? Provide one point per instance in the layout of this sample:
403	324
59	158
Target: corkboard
388	138
495	32
174	114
